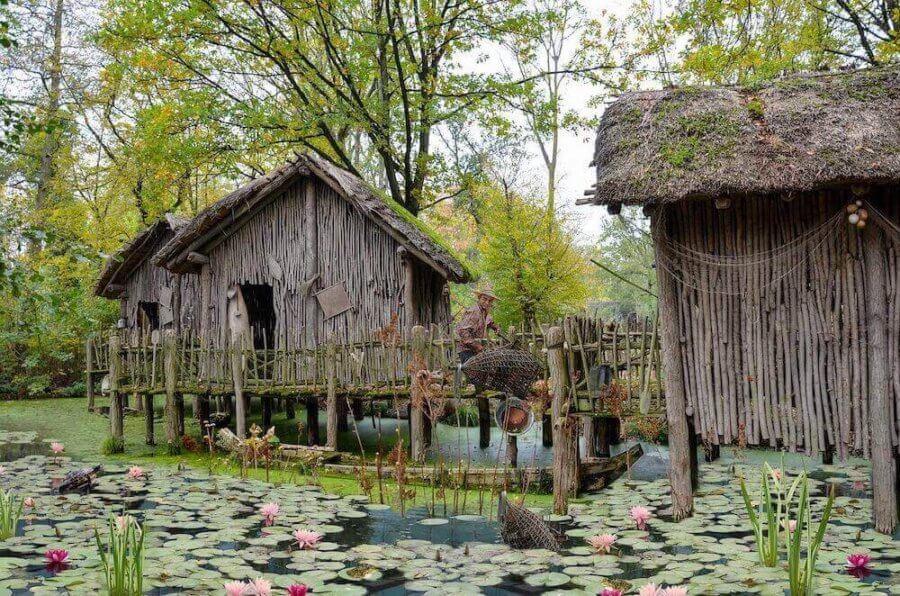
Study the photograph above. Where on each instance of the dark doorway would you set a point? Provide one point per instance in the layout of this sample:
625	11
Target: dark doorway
148	316
260	301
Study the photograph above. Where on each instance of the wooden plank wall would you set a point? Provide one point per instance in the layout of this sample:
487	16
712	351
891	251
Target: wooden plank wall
776	353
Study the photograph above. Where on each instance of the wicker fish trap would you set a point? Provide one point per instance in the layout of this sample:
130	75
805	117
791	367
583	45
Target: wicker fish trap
521	528
503	369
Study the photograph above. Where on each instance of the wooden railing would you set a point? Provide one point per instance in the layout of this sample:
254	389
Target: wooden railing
614	368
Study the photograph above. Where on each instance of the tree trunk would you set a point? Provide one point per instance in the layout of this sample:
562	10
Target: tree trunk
331	405
417	398
565	437
170	372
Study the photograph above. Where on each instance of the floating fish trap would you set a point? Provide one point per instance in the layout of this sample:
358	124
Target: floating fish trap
502	369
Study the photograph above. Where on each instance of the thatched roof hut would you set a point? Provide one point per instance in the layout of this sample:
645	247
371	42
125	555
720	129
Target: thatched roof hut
775	212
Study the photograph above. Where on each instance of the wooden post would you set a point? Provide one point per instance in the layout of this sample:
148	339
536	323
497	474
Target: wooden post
203	412
331	404
148	419
679	442
512	450
591	430
89	372
565	445
604	429
484	422
693	441
266	412
170	372
289	412
884	482
237	377
343	413
116	413
356	406
547	429
416	397
179	412
312	420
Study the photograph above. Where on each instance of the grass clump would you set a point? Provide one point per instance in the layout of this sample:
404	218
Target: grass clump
112	445
756	109
10	512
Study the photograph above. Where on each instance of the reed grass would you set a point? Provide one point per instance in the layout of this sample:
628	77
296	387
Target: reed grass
10	513
123	556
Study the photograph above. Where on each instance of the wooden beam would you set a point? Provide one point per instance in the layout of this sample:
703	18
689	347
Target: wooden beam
197	258
310	262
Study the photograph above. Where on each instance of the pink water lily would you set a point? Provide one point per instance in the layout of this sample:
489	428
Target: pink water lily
2	470
57	448
260	587
297	590
789	525
776	474
269	511
235	589
640	515
29	502
307	539
611	592
650	590
57	555
858	565
602	542
675	591
135	472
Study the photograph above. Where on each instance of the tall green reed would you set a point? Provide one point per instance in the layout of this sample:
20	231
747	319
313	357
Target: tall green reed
801	571
123	556
772	512
10	512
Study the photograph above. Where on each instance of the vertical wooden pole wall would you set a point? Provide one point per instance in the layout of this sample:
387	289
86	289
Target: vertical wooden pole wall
565	436
170	372
311	312
331	403
884	484
679	441
116	413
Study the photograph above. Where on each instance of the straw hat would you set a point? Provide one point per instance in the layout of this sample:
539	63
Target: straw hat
485	291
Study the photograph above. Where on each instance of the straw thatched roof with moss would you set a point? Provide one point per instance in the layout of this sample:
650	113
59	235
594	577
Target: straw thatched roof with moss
233	210
795	134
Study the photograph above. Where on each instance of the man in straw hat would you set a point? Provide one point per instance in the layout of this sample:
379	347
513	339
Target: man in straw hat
475	322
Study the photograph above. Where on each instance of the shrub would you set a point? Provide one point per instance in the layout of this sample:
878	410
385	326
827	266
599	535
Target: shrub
112	445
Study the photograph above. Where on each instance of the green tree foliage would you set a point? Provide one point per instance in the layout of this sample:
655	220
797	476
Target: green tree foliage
531	258
625	249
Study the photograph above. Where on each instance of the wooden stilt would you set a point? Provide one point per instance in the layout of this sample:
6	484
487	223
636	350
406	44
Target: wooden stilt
331	404
266	411
356	406
343	423
604	429
116	402
512	450
547	430
289	411
203	411
484	423
170	372
679	442
137	401
237	375
312	420
884	480
565	447
417	397
179	411
89	375
148	419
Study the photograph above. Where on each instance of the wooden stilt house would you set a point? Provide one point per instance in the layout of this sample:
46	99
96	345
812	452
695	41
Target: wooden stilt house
309	253
150	297
775	213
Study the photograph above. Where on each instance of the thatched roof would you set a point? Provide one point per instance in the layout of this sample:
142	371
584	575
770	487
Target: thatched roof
236	207
795	134
120	265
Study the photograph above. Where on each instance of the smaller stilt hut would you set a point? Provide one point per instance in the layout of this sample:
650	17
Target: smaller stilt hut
775	212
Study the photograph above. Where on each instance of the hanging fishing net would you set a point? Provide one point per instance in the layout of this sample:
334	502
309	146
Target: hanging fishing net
521	528
502	369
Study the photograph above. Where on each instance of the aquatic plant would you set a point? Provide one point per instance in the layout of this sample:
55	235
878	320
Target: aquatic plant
640	515
602	542
10	512
307	539
611	592
801	571
235	588
297	590
269	511
57	448
771	515
260	587
29	502
858	565
57	560
135	472
122	557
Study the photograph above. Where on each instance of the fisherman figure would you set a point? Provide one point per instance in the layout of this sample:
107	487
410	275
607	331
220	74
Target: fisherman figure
473	326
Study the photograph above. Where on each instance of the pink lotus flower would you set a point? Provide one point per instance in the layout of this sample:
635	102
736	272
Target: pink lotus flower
858	565
29	502
776	474
640	515
859	485
135	472
269	511
307	539
675	591
650	590
57	448
57	555
602	542
790	525
235	588
260	587
297	590
611	592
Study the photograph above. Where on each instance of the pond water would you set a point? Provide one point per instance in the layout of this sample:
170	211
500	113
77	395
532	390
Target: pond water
205	530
